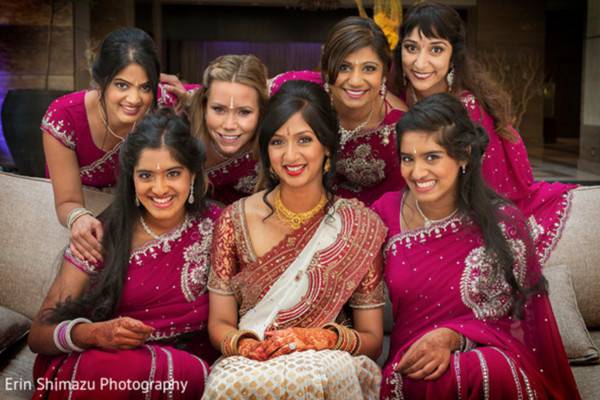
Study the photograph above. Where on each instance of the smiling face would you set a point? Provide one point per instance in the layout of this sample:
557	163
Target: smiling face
430	173
128	96
162	185
231	116
296	155
426	62
359	79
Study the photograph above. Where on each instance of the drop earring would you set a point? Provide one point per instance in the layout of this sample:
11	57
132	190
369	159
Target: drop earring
137	201
450	78
463	169
383	89
191	198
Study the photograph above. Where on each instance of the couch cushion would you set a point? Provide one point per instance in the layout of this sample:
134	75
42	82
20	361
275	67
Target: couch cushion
16	379
578	248
32	239
13	326
574	334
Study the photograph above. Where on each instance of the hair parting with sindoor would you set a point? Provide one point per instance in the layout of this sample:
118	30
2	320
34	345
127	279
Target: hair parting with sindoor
155	131
444	116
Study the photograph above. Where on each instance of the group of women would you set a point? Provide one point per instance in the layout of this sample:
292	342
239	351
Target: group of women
260	229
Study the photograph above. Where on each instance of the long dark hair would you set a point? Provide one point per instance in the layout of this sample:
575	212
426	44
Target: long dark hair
163	129
119	49
347	36
444	116
435	20
313	103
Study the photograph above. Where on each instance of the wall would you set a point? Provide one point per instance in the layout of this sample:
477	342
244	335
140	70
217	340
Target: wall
516	27
24	27
589	144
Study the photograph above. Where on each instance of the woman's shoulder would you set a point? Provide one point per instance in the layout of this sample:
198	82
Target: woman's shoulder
65	105
359	209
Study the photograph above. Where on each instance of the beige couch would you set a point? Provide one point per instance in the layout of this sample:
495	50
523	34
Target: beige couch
31	241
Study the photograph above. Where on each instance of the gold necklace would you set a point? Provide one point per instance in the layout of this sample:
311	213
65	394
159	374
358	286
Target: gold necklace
293	219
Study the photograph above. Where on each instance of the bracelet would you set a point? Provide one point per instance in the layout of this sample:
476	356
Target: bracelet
62	335
70	327
348	339
59	337
76	213
229	344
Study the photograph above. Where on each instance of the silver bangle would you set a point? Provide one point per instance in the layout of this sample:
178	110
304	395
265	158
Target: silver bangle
73	346
75	214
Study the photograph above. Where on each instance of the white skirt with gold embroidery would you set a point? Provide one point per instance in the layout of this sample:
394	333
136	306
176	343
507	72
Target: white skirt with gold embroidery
326	374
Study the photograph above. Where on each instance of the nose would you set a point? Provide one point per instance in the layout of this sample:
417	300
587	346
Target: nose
422	59
230	122
290	152
419	170
160	187
355	77
133	96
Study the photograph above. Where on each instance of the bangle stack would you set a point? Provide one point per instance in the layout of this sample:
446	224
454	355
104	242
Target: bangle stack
466	344
229	345
76	213
348	339
62	335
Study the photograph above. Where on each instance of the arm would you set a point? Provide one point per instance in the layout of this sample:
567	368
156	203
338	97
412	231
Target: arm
120	333
369	325
86	231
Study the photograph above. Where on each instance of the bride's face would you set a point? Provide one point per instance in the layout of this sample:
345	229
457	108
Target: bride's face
296	155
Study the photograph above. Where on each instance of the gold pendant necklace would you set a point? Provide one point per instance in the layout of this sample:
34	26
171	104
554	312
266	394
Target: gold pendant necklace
293	219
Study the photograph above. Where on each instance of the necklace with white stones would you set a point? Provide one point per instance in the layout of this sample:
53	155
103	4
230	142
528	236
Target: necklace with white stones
150	232
428	222
346	134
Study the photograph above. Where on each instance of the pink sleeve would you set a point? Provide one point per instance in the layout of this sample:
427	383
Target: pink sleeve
166	99
59	124
276	82
83	265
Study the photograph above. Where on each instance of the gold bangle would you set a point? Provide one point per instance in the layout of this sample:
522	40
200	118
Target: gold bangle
229	345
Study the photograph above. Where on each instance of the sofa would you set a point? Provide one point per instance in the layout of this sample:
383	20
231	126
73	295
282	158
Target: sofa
32	240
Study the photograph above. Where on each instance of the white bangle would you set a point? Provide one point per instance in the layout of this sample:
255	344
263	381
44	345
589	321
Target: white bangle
70	326
75	214
57	333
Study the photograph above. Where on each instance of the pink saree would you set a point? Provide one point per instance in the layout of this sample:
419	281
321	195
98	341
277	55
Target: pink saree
234	178
166	289
441	277
66	120
507	170
367	165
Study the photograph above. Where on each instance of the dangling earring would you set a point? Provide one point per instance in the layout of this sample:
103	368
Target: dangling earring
137	201
382	89
463	169
191	198
327	166
326	87
450	78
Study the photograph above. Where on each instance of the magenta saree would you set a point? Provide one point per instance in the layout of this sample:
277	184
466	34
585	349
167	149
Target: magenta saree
507	170
441	277
234	178
367	165
166	289
66	120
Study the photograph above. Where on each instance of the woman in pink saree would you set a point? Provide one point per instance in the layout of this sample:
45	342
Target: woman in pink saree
225	114
355	63
433	59
134	326
472	318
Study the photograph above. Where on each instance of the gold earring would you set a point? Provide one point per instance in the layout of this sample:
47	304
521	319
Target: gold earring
327	166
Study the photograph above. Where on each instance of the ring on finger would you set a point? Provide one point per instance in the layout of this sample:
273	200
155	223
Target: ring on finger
292	346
